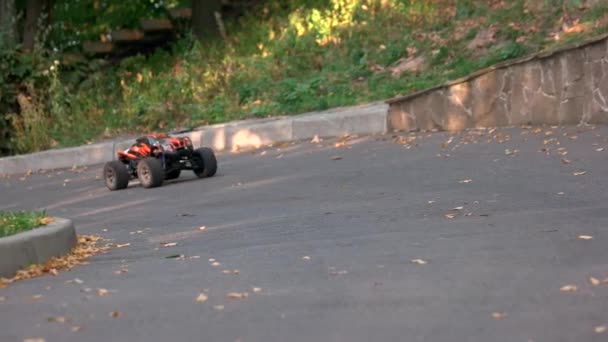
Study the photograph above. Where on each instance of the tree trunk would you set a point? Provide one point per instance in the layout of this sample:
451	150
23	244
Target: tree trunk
204	22
37	16
8	20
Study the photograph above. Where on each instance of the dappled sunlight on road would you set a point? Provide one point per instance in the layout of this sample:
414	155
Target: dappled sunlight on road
245	139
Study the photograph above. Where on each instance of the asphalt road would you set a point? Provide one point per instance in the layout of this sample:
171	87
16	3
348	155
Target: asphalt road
326	235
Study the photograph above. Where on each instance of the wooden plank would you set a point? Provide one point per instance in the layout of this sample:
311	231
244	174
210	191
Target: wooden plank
180	13
97	47
149	25
125	35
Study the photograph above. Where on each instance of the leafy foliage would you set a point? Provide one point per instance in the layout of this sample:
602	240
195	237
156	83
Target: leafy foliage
281	57
13	222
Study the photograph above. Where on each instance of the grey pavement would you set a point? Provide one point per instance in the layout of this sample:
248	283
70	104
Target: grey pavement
327	235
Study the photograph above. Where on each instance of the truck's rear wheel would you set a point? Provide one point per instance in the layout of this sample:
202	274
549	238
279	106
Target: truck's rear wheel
205	162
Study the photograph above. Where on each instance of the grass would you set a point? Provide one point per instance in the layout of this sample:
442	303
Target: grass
286	58
13	222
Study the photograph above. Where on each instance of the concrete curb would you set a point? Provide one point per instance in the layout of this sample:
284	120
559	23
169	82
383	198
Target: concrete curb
36	246
364	119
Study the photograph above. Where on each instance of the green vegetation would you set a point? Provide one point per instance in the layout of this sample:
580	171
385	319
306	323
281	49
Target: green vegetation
16	222
281	57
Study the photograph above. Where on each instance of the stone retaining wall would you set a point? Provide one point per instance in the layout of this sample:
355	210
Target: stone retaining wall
562	87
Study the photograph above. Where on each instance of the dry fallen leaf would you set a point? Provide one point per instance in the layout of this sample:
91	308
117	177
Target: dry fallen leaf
256	289
76	328
465	181
35	297
46	220
450	216
580	173
215	264
58	319
123	245
2	298
599	149
594	281
585	237
53	271
569	288
566	161
37	339
336	158
202	298
498	315
170	244
306	257
316	139
600	329
419	261
202	228
115	314
237	295
102	292
218	307
458	208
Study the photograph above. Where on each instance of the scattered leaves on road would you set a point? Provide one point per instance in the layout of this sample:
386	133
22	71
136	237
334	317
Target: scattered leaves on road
85	248
237	295
566	161
569	288
585	237
419	261
202	297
